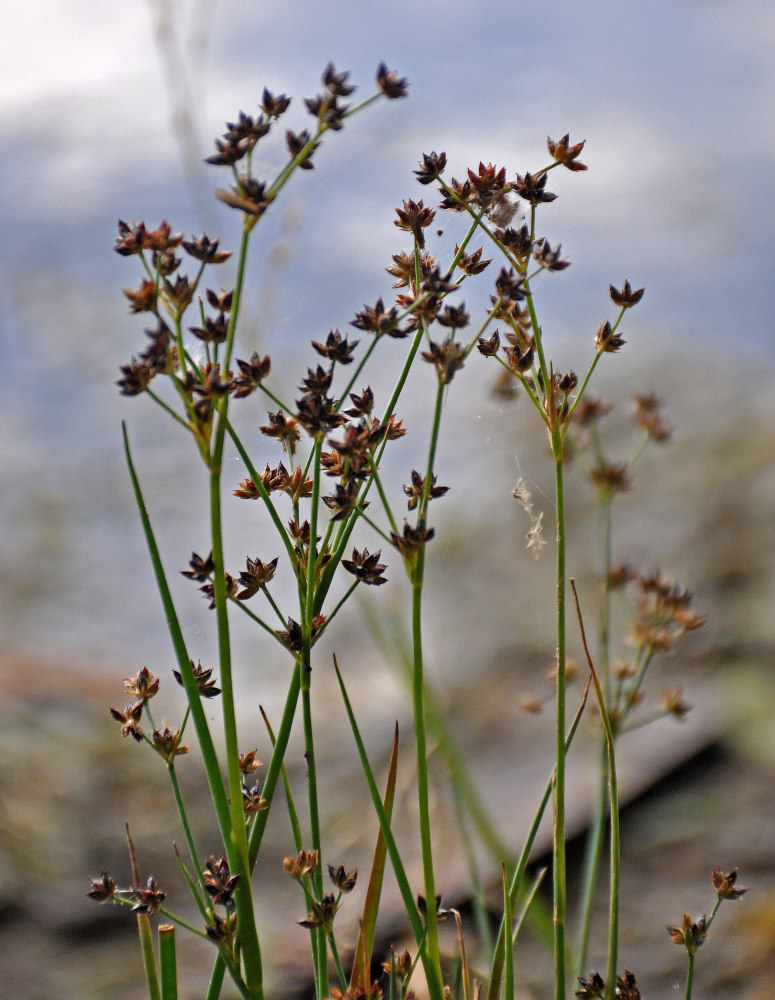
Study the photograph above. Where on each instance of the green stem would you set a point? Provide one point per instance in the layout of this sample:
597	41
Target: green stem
594	844
559	889
613	799
149	957
192	851
592	854
337	961
168	963
418	703
432	972
293	815
423	797
237	845
274	768
496	970
690	977
508	941
216	978
319	950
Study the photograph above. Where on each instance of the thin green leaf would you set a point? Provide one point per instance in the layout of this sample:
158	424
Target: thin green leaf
361	976
392	848
207	747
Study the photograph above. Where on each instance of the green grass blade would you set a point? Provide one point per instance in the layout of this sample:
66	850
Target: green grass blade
392	848
209	756
361	975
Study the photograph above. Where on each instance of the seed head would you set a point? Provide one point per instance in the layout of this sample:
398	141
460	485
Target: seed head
322	913
413	218
691	934
487	182
252	374
459	195
532	187
168	743
130	719
726	885
626	298
647	414
296	141
472	263
412	539
606	340
102	888
344	881
416	489
336	83
391	85
366	567
431	168
248	763
378	320
204	249
143	685
150	899
219	883
205	686
547	257
274	106
447	358
304	864
336	348
592	987
256	575
566	154
285	429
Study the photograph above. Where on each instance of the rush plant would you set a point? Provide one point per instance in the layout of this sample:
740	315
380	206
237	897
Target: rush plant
317	476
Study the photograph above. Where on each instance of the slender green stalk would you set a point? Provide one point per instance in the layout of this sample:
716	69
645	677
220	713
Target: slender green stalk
613	798
496	970
192	886
189	837
168	963
559	885
508	942
529	902
317	935
594	844
237	844
216	978
274	768
690	977
423	794
418	704
593	849
337	961
149	957
293	815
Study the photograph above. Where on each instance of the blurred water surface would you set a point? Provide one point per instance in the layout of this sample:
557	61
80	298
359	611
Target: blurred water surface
108	109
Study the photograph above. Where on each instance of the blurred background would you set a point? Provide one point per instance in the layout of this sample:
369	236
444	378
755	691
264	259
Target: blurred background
107	111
